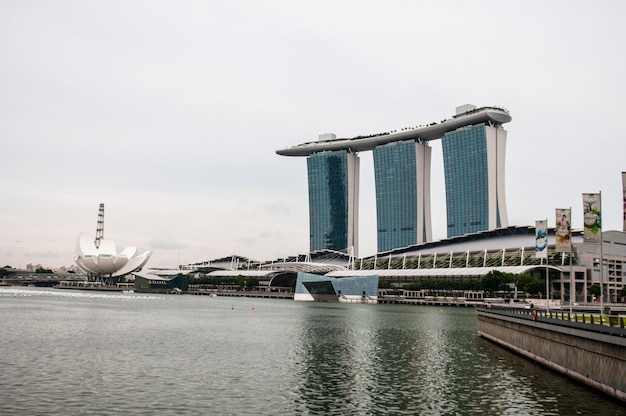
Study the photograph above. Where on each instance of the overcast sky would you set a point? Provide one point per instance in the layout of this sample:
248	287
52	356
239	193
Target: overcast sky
170	113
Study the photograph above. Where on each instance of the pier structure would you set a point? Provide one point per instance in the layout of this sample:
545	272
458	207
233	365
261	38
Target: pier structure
588	348
473	143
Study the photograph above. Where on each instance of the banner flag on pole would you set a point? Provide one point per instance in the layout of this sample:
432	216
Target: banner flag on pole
541	239
563	230
592	218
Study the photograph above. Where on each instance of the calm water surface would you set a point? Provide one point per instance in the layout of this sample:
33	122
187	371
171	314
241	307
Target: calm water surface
72	352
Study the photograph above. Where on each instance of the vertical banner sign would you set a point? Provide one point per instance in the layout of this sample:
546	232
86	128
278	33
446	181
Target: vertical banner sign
541	239
592	218
624	198
563	231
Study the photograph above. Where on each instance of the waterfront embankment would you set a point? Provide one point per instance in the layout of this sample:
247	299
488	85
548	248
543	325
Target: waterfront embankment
588	348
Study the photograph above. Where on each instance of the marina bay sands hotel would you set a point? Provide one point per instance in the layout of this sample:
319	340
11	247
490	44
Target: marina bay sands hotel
473	143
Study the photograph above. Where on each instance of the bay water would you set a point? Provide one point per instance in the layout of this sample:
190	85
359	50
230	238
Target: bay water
66	352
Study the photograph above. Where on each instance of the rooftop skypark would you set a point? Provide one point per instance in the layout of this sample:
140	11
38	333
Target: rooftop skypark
466	116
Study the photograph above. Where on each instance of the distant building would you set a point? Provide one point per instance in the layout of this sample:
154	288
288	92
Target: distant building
333	200
312	287
474	145
461	258
152	283
106	260
100	258
612	252
402	175
473	159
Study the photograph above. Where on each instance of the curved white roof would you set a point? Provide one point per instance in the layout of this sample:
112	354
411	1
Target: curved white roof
309	267
468	272
105	260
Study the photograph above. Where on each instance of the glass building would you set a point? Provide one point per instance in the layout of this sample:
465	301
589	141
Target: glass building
473	159
313	287
473	144
333	201
402	176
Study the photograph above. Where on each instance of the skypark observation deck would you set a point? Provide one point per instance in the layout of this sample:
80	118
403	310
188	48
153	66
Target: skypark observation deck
488	115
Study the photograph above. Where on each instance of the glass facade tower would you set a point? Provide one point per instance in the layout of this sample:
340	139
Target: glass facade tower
333	201
473	145
402	176
473	160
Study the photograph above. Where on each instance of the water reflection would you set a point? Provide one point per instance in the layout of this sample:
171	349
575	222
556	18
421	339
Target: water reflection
418	360
78	353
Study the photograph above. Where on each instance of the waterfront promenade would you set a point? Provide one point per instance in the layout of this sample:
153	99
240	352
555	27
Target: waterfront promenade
389	300
589	348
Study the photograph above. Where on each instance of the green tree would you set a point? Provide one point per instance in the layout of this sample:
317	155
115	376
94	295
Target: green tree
384	284
594	290
495	280
528	284
251	283
240	281
536	286
523	281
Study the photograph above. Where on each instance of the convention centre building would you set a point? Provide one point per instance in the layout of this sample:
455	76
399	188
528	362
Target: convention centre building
319	275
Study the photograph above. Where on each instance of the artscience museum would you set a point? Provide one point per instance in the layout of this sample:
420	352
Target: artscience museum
105	260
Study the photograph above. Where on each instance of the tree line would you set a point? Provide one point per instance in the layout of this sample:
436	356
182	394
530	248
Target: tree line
492	282
240	282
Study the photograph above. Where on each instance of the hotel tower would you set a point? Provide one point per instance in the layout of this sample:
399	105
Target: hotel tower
474	145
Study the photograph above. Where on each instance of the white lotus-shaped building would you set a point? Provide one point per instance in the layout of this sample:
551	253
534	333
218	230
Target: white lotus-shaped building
105	260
